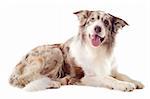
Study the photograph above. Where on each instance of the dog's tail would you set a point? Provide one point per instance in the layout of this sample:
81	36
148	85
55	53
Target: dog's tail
39	84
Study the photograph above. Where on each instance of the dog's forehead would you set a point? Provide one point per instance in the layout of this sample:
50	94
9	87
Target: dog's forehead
100	13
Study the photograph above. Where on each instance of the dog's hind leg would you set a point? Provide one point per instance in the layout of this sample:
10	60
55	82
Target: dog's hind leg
17	72
43	61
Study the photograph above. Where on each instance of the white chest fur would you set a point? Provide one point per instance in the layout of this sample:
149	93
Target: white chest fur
94	62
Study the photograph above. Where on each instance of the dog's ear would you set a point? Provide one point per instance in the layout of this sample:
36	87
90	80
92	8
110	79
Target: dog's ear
82	16
117	23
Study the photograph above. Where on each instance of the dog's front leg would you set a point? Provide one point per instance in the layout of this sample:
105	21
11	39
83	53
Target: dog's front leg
108	82
123	77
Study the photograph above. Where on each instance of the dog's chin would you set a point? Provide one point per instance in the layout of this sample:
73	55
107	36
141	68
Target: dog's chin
96	40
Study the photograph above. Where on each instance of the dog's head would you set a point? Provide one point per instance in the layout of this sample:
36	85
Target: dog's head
98	28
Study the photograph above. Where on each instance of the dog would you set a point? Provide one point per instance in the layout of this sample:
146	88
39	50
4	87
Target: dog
86	59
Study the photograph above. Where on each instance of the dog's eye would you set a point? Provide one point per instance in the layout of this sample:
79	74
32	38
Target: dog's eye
92	19
106	22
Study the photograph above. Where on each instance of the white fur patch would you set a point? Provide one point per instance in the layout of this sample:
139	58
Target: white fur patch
94	61
36	85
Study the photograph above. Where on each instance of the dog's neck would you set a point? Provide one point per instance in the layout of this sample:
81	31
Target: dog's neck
80	46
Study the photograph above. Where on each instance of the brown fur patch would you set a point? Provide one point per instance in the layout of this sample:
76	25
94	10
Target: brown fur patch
70	67
83	16
20	67
83	37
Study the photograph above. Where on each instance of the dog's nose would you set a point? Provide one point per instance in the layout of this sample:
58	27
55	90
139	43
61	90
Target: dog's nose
97	29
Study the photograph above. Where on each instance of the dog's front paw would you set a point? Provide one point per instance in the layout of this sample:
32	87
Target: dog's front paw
125	86
138	84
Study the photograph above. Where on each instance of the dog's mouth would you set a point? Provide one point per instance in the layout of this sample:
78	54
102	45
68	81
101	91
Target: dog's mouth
97	40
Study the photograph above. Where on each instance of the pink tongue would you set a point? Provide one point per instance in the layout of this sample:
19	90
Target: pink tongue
96	40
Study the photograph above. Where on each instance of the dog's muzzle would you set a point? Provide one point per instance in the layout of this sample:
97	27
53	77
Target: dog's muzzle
96	40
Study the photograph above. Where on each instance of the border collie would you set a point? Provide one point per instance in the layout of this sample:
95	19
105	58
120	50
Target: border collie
85	59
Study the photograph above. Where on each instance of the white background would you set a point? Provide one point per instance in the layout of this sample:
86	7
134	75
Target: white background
25	24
